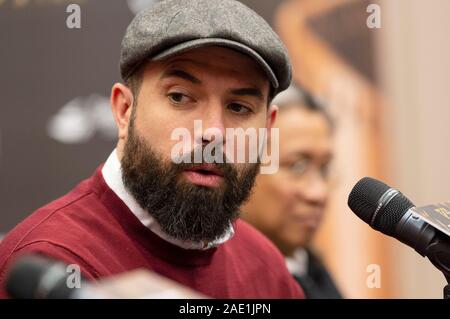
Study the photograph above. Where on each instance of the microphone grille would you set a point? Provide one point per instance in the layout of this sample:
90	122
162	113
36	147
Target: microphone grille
363	201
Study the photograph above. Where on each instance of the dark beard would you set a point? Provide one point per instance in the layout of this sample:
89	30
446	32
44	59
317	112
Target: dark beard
183	210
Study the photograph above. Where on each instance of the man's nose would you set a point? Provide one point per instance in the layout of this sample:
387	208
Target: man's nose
213	123
315	190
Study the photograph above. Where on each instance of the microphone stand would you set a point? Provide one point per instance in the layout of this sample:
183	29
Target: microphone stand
447	290
438	252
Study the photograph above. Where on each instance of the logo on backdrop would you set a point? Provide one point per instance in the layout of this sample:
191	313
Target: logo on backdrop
81	118
138	5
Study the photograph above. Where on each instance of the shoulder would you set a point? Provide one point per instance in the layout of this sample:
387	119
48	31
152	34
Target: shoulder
53	229
54	219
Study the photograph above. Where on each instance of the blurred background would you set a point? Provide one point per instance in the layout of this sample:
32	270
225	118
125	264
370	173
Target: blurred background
383	72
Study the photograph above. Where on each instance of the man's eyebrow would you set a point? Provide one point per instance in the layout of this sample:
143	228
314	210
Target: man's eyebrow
248	92
180	74
304	154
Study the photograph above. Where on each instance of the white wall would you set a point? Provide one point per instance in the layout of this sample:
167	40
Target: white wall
414	60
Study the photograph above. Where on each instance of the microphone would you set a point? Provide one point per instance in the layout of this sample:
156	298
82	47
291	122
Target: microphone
389	211
36	277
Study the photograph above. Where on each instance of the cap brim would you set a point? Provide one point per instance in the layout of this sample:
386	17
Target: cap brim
197	43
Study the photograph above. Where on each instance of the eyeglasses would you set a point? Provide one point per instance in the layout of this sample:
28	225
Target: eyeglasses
305	166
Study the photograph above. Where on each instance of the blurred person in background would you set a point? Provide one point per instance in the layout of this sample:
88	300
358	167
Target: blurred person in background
288	206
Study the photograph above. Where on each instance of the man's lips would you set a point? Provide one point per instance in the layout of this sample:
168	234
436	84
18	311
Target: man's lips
311	220
206	169
204	175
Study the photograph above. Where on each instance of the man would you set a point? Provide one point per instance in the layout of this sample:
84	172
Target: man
210	60
288	206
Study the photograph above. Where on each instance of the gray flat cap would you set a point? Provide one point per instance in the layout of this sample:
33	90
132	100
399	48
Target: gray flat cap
171	27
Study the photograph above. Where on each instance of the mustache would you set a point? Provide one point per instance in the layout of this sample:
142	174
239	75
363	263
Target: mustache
190	160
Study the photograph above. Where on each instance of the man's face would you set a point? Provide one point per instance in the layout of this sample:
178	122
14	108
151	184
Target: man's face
288	206
220	87
223	89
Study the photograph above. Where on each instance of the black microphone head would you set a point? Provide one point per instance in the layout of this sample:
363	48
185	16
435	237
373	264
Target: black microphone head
378	204
36	277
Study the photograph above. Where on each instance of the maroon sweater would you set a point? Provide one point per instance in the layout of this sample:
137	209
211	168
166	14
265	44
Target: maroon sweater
92	227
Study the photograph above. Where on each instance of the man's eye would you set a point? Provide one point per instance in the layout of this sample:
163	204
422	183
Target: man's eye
299	167
178	98
239	108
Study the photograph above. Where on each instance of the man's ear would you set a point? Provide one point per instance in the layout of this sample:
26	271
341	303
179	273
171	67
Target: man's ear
121	101
272	113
